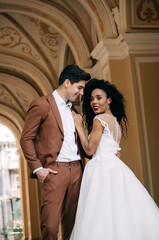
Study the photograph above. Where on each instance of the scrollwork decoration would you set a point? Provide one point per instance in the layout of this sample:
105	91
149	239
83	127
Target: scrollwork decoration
5	95
23	97
10	37
150	13
47	36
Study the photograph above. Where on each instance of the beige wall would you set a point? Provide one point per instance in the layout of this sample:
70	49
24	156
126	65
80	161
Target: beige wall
149	76
137	79
120	74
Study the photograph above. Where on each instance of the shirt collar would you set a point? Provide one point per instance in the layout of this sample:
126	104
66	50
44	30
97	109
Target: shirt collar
59	100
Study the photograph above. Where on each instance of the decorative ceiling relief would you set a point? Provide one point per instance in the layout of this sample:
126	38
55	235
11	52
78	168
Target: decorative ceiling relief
144	13
15	96
11	38
24	98
48	36
5	96
59	25
148	10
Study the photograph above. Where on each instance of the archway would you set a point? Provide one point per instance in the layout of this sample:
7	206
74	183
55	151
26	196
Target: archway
11	216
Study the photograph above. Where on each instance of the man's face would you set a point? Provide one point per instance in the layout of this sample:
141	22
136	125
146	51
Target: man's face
75	90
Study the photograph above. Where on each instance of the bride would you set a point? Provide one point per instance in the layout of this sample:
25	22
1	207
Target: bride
113	204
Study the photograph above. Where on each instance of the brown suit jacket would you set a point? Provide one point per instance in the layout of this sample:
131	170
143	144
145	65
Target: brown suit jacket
42	136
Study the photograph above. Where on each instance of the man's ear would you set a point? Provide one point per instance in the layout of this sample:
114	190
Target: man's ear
66	82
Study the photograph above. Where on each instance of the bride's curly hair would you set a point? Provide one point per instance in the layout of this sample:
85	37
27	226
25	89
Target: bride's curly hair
117	105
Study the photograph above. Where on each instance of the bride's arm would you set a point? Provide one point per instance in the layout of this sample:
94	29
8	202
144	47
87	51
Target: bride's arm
89	145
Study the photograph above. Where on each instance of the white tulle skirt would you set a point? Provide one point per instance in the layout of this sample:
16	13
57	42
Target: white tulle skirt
114	205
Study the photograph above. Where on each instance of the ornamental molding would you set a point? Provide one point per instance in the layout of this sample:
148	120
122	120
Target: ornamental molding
148	11
4	95
110	49
11	38
26	71
16	93
117	18
142	42
144	14
52	16
12	115
48	37
125	44
101	16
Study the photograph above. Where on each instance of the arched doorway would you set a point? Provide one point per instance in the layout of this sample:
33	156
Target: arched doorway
11	223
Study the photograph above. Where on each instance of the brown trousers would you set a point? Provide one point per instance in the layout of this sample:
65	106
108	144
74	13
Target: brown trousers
59	198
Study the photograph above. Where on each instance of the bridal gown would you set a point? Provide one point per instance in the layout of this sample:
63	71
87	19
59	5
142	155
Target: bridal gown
113	204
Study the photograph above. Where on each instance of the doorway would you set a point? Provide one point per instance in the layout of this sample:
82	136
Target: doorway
11	221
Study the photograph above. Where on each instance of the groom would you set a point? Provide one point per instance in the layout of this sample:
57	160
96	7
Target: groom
52	149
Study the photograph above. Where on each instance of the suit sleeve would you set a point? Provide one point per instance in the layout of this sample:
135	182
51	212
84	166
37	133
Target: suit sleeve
31	126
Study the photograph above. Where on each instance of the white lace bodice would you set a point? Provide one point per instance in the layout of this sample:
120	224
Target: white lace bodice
109	142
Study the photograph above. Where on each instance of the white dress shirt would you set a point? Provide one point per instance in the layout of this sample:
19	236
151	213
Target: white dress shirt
69	150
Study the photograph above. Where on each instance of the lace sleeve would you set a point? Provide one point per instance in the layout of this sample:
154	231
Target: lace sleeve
104	124
110	125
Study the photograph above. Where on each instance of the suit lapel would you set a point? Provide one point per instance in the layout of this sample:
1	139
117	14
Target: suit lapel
55	111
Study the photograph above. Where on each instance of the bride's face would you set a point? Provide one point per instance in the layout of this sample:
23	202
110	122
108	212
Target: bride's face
99	101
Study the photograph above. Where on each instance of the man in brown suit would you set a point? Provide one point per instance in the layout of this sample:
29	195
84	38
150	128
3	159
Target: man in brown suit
52	149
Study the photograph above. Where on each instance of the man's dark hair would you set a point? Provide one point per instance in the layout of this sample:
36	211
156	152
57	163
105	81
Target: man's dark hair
74	74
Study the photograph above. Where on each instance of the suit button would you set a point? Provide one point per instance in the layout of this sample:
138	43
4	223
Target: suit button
62	139
57	153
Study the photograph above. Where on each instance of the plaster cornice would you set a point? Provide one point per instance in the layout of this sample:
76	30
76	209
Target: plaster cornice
126	44
142	42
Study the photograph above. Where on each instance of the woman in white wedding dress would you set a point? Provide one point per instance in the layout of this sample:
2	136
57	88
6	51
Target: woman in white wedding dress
113	204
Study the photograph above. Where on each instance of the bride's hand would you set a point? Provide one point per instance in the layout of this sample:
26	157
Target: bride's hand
77	119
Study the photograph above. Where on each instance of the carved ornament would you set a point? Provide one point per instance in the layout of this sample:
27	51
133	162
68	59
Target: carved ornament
11	38
148	10
49	38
